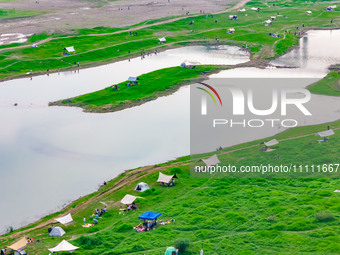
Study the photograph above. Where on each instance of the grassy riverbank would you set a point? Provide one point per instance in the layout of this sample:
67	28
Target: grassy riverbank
330	85
222	216
10	13
105	45
151	85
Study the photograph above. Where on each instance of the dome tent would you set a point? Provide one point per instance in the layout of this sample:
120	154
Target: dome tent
57	231
142	186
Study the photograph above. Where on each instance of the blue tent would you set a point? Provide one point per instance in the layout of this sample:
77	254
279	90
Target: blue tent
149	216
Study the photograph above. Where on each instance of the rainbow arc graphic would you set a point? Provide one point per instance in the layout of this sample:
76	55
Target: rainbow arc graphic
211	92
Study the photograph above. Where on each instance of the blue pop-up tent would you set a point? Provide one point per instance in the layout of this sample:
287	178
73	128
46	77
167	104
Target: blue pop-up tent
149	216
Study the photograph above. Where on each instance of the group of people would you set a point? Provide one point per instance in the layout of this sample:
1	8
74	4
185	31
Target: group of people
132	207
99	213
146	226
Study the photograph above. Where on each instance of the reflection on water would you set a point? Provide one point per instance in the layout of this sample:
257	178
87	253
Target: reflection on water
44	147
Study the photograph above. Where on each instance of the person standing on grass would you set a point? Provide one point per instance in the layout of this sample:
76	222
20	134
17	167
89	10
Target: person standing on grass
201	253
84	220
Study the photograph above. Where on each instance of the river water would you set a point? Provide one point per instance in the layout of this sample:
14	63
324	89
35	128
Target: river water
50	156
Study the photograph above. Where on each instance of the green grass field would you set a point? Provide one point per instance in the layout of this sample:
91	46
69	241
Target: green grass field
222	216
329	85
98	46
10	13
151	86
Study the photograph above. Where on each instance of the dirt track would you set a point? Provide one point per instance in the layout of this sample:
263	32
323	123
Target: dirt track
67	14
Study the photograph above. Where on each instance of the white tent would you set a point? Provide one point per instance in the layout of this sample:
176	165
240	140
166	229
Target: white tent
142	186
231	30
64	246
164	178
213	160
326	133
242	10
128	199
309	12
332	6
273	17
70	49
268	21
67	219
272	142
57	231
162	39
254	8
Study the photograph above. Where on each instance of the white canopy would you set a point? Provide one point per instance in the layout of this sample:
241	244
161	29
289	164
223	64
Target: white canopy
70	49
273	17
142	186
268	21
326	133
164	178
272	142
231	29
243	10
57	231
64	246
309	12
128	199
213	160
65	220
162	39
332	6
254	8
19	245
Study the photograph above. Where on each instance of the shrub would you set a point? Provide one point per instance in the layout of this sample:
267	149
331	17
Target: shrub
176	170
324	216
88	242
182	245
123	227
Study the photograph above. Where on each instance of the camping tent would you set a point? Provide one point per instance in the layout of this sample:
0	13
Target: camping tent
268	21
231	30
142	186
131	78
272	142
164	178
254	8
309	12
64	246
326	133
70	49
162	39
67	219
19	245
57	231
149	216
128	199
170	251
242	10
213	160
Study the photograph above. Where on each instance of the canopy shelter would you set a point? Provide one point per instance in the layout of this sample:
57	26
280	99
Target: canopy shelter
309	12
213	160
326	133
255	8
242	10
19	245
164	178
331	8
65	220
231	30
57	231
162	39
189	64
149	216
70	49
133	79
142	186
271	142
273	17
267	22
64	246
128	199
170	251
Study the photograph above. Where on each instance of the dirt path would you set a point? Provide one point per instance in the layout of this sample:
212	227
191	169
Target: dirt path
133	176
237	6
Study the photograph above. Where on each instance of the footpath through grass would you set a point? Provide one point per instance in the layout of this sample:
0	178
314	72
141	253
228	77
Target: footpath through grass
103	45
220	216
151	85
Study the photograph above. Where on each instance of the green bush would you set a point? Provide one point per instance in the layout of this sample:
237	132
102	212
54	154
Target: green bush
182	245
324	216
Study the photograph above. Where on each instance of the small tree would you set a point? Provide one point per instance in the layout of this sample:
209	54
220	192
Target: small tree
182	245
